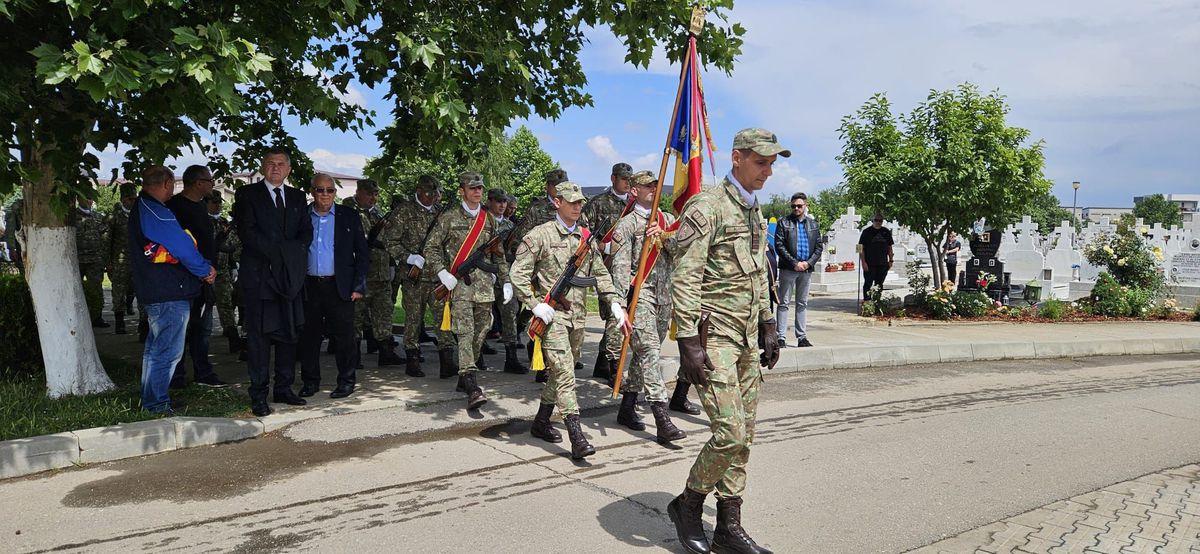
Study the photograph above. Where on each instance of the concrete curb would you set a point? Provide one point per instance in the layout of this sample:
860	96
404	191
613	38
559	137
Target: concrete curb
31	455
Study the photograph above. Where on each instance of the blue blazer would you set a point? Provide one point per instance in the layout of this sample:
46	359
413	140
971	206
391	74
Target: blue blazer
350	254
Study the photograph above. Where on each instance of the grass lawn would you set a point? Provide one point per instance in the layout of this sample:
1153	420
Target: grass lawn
26	411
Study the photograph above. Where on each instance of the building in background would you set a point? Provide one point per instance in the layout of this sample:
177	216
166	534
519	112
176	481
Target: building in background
1094	214
1188	204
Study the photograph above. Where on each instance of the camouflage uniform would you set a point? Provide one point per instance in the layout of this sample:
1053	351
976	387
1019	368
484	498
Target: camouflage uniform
470	303
119	271
12	229
541	258
375	311
229	249
91	243
653	316
602	212
417	295
721	269
508	311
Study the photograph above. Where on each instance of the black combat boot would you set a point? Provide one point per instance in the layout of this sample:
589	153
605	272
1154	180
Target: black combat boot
119	322
487	349
480	364
686	512
542	428
628	415
511	363
447	367
372	344
603	367
475	396
387	353
412	365
679	399
529	351
580	447
665	429
541	376
729	536
426	337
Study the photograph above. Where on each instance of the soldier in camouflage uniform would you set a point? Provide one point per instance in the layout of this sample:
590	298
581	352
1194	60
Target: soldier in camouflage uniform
91	243
539	211
722	300
498	201
541	260
602	212
471	297
416	216
12	229
653	314
119	273
229	248
374	314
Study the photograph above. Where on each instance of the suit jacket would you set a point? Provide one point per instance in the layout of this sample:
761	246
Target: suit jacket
350	252
263	234
786	231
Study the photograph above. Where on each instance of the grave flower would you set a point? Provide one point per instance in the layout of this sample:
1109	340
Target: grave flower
984	279
1121	262
1158	253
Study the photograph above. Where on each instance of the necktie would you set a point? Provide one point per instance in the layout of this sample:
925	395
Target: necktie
279	203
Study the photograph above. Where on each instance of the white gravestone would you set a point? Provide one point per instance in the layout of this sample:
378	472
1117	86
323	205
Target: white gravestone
1185	268
1064	257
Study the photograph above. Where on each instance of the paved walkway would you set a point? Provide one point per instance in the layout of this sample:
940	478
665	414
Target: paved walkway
1157	513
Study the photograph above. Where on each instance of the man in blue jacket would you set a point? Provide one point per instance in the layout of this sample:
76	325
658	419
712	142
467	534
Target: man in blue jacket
798	248
167	270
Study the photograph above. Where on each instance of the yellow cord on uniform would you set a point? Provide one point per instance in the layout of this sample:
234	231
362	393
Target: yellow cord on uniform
446	317
537	363
674	329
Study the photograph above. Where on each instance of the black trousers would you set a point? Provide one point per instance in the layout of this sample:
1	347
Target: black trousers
874	275
326	314
951	271
199	329
258	354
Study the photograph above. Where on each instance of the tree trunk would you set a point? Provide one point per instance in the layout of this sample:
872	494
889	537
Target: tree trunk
936	262
52	271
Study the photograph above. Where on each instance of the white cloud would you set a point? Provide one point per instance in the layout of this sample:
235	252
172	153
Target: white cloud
786	181
602	147
650	161
342	163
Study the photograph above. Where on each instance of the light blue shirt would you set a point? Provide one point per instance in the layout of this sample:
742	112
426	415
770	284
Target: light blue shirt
320	250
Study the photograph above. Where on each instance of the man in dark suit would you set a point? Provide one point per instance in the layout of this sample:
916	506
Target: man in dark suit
273	224
798	248
337	278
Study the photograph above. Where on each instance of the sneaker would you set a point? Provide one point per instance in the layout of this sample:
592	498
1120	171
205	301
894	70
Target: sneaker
782	343
803	342
211	381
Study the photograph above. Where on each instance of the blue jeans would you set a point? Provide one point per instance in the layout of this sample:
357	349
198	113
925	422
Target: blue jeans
164	348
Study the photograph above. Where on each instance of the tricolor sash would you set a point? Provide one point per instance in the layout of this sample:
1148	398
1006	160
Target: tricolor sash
464	251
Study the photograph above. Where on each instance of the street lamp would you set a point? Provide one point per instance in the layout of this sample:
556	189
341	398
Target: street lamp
1075	199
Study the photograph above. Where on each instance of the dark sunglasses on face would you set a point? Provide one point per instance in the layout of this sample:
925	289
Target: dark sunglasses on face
323	191
797	206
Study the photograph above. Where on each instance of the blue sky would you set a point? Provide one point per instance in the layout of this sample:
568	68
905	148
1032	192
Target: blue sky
1113	87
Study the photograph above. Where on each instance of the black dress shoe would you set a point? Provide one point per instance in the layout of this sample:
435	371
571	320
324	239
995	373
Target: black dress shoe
308	390
803	343
288	397
578	366
782	343
342	391
260	409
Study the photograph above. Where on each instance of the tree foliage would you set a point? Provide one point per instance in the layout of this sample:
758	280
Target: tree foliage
948	163
1046	211
1155	208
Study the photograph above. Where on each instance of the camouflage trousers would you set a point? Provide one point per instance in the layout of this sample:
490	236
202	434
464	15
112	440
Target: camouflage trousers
225	303
610	342
731	401
122	284
645	373
508	316
417	299
380	309
470	322
93	288
559	345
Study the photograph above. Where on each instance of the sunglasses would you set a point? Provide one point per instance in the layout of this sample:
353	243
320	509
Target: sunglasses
877	221
798	206
324	191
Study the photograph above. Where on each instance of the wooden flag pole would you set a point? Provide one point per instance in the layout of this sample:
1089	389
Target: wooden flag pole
697	23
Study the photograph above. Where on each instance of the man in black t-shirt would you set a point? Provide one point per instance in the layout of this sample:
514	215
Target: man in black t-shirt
191	210
875	254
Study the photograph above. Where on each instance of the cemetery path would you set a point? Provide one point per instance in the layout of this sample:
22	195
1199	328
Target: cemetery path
844	461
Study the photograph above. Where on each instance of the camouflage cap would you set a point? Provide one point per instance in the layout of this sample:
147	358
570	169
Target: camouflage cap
622	170
129	190
428	183
569	192
761	141
498	195
643	178
368	185
556	176
512	200
470	180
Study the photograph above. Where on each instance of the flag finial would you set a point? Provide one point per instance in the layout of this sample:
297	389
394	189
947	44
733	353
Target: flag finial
697	20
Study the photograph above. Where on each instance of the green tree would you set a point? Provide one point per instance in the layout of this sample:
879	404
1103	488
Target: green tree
948	163
828	205
529	166
152	76
1048	214
1155	208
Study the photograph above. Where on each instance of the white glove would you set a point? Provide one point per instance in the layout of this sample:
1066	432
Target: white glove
618	314
447	279
608	248
508	293
544	312
417	260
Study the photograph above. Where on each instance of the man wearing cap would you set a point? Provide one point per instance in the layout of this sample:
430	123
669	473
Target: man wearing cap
91	242
118	261
653	315
541	258
602	212
539	211
374	313
722	301
228	250
417	215
459	232
507	311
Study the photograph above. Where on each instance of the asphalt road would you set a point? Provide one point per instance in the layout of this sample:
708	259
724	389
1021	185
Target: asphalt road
847	461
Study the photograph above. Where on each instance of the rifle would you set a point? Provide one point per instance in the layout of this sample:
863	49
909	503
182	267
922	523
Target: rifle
414	272
557	298
475	261
373	235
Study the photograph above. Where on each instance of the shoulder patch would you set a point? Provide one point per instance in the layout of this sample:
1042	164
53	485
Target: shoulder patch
525	246
695	224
